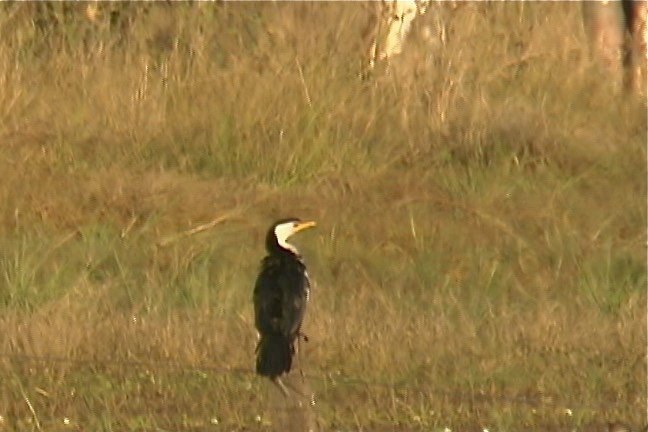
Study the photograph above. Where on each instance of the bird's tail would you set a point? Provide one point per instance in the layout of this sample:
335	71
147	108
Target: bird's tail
274	355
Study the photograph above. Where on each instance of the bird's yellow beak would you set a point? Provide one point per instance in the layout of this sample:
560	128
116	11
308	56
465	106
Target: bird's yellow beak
304	225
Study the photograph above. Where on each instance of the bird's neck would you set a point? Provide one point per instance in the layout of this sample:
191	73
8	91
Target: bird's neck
284	254
285	246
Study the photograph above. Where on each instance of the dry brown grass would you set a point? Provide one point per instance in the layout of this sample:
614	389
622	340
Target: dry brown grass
480	257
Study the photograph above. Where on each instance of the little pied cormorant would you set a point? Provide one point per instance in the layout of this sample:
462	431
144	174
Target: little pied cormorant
280	297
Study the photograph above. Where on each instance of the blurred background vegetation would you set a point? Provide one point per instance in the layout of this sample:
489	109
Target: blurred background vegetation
480	255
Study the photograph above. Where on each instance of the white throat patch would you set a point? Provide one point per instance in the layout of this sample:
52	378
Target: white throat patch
282	233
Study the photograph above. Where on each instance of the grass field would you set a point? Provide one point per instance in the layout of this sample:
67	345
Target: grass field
479	260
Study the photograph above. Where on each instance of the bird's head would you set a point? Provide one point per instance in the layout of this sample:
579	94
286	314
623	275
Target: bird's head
281	231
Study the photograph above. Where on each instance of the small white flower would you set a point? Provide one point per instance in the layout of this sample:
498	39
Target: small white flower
257	418
1	419
214	421
447	430
568	412
66	421
485	430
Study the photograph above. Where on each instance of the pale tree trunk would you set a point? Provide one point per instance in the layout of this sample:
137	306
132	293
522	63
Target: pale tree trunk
616	31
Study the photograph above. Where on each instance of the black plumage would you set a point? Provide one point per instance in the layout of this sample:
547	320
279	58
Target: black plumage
280	297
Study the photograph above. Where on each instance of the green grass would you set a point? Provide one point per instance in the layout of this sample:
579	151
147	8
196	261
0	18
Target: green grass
480	253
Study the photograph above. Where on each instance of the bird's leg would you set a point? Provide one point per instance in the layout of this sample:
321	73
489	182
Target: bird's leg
276	381
284	387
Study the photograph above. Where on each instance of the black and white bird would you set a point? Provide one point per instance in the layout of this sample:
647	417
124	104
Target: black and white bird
280	297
